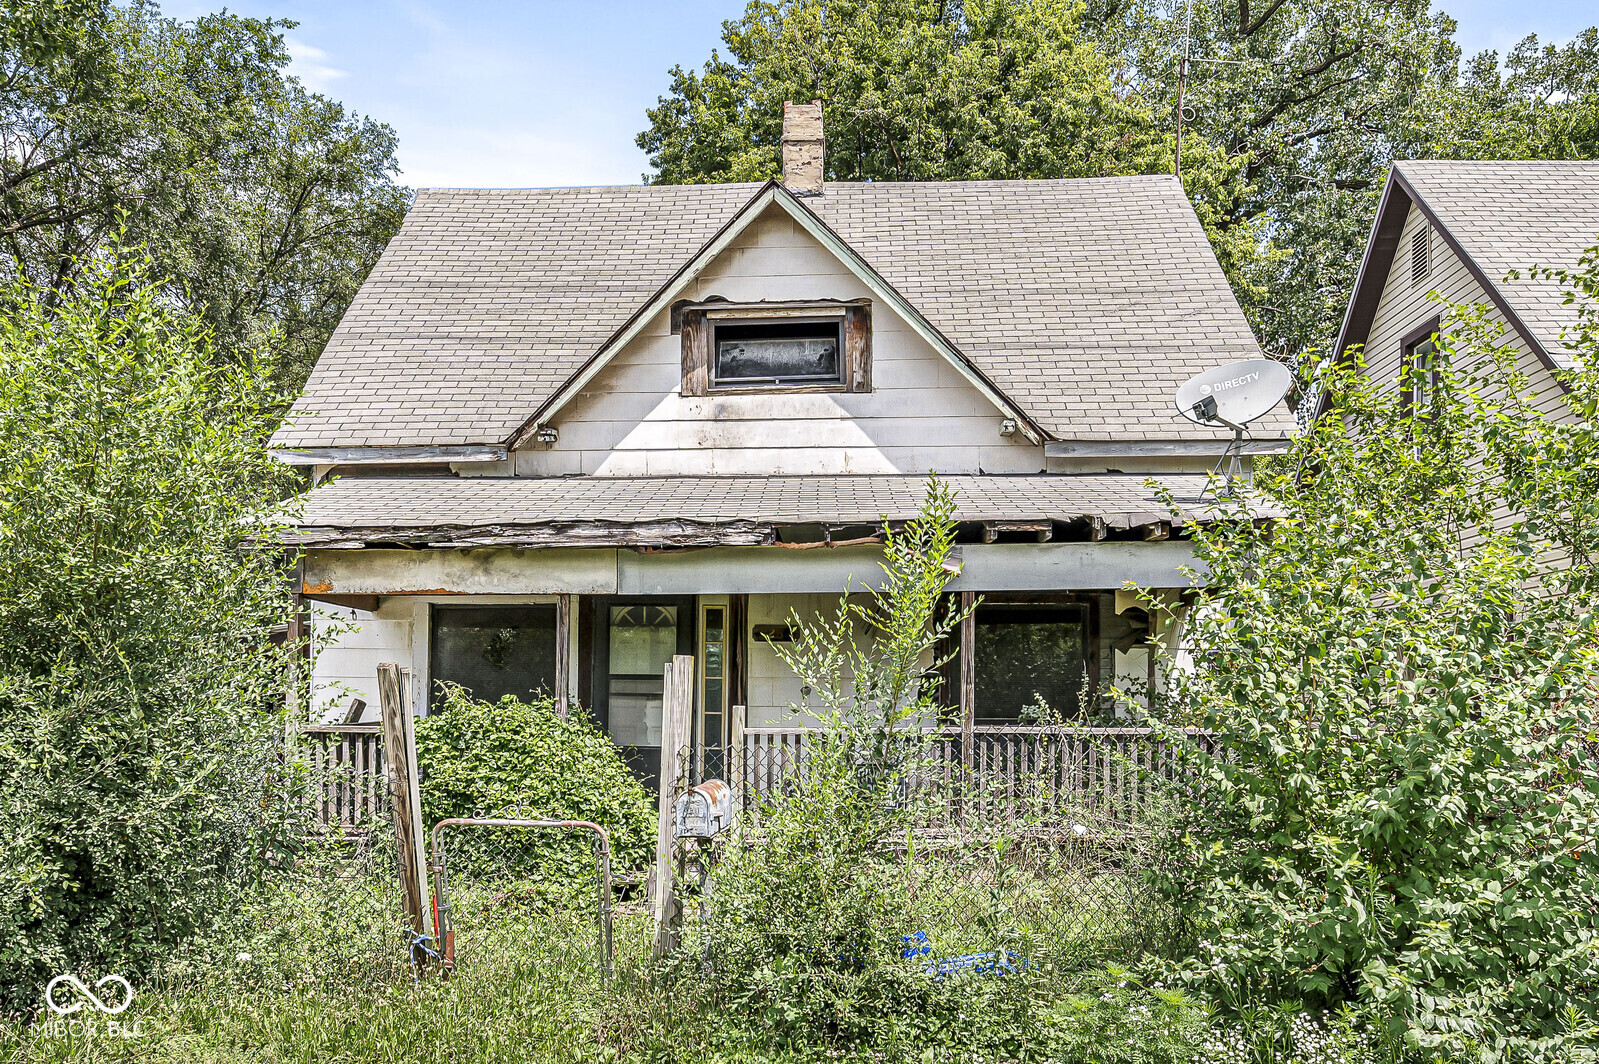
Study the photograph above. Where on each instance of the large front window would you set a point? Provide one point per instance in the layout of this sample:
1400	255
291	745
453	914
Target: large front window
1031	662
493	651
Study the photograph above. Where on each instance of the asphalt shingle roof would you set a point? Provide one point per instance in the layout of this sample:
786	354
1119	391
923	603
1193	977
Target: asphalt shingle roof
1086	301
353	504
1513	215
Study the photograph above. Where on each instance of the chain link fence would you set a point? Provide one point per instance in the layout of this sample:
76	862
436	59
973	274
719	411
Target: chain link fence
1038	848
499	880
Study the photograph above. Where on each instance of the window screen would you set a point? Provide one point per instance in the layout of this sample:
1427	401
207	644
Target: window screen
1030	657
494	652
784	352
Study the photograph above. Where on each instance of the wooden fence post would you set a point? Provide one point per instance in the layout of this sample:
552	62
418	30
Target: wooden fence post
677	698
399	754
968	694
735	757
563	655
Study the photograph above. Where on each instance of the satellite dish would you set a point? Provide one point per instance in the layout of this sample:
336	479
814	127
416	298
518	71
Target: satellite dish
1235	394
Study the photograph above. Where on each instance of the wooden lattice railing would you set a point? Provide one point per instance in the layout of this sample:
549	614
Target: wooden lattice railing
348	786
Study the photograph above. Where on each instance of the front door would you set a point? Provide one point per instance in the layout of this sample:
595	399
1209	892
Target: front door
634	639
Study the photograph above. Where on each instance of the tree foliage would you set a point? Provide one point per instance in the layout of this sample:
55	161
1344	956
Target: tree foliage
262	204
1403	674
911	90
139	685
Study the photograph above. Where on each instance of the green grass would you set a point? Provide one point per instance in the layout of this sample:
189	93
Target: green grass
528	989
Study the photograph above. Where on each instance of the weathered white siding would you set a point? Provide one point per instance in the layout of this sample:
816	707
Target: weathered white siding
1405	306
349	644
921	415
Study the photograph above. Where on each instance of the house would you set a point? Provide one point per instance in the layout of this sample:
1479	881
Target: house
564	433
1451	233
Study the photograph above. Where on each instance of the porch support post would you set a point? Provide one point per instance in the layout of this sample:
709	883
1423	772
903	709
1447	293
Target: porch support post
563	655
968	666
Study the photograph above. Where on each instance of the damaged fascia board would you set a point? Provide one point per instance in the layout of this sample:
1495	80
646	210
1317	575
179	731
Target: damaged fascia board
305	456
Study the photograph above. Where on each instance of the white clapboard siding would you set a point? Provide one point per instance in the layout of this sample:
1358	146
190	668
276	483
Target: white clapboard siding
920	416
349	645
1405	306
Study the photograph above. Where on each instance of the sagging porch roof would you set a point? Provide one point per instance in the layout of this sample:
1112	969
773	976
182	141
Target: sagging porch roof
725	511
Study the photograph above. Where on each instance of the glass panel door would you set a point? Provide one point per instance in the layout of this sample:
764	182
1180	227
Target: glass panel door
634	639
642	640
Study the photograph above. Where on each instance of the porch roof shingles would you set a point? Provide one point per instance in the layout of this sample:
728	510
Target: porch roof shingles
1061	292
419	504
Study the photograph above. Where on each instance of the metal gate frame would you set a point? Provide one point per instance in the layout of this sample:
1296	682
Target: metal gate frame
442	927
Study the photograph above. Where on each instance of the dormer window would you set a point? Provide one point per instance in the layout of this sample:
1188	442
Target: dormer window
776	353
730	348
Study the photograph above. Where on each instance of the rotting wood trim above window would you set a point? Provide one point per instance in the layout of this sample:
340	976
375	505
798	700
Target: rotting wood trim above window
699	321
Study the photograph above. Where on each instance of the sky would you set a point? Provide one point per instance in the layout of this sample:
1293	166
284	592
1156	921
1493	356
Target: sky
506	94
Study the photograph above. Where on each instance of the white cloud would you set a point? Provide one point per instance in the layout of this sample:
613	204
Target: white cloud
310	65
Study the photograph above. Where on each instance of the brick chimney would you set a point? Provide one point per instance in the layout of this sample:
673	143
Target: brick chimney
802	147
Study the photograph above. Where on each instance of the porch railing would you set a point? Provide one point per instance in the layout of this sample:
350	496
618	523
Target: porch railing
1108	772
348	786
1113	772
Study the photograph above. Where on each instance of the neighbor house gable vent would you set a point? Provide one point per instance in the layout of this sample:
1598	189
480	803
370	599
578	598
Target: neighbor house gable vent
1421	255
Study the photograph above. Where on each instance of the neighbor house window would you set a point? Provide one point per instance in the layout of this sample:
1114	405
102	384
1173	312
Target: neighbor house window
775	347
776	353
1420	381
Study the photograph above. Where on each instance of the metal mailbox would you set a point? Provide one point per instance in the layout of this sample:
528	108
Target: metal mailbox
705	811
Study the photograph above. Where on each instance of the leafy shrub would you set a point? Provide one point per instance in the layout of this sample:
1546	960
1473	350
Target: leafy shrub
519	759
1402	681
139	690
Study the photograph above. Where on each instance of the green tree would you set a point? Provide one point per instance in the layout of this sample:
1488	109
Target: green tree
1311	99
140	688
264	204
1401	675
1542	103
911	90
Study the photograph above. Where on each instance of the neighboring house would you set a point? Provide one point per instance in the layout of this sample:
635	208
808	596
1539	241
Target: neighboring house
1451	233
562	434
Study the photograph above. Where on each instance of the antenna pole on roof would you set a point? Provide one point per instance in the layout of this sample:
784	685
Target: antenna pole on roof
1182	81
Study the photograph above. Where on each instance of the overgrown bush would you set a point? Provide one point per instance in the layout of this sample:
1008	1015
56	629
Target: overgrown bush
1402	674
810	904
519	759
140	691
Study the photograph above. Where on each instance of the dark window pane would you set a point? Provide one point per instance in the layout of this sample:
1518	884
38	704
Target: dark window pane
1030	656
777	351
494	652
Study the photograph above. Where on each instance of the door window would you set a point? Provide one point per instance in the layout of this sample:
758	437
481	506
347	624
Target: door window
641	640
